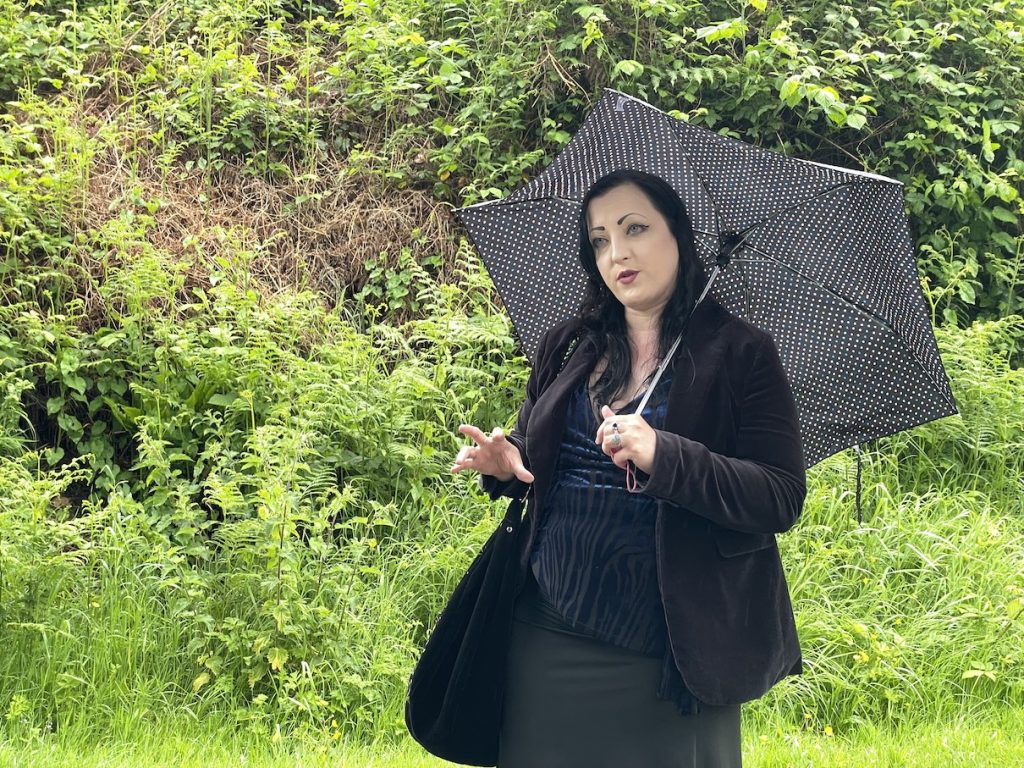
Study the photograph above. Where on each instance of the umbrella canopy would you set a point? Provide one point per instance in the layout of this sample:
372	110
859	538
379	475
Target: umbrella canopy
819	257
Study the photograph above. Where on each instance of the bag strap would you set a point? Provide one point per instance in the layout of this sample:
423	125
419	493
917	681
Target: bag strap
570	348
517	503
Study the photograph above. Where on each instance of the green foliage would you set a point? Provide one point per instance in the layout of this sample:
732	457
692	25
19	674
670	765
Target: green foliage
41	49
223	95
277	516
39	186
466	99
258	467
984	449
929	95
178	740
221	496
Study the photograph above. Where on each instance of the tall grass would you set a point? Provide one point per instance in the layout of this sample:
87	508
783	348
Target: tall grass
285	528
227	498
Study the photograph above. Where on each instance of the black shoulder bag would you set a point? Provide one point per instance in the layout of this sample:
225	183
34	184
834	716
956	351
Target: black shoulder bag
453	707
454	703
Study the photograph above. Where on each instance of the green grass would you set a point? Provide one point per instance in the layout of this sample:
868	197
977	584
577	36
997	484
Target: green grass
994	742
271	527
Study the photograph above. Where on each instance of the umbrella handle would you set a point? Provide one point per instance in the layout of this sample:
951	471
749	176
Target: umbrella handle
631	482
675	344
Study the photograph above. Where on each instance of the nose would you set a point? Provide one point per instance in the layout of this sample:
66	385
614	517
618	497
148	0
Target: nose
619	249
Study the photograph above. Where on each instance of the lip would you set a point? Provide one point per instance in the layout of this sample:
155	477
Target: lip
627	276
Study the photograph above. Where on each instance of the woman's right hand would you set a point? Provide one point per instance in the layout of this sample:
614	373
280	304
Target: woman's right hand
492	455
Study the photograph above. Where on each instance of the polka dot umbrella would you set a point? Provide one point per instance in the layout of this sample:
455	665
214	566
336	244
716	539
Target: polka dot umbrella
818	256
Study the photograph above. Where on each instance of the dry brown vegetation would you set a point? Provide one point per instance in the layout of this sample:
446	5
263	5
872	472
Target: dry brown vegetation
312	232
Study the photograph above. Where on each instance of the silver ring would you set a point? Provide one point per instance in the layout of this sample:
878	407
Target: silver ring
616	437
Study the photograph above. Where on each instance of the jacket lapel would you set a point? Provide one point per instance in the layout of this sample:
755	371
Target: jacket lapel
547	420
687	395
689	391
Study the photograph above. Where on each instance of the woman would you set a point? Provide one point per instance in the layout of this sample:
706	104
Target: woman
646	617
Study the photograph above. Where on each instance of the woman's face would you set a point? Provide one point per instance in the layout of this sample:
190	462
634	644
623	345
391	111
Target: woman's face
636	252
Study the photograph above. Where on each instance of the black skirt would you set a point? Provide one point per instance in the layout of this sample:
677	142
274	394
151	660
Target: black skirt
571	700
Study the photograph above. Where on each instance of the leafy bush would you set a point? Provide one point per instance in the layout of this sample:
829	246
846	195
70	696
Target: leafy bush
465	100
927	94
226	494
278	519
238	476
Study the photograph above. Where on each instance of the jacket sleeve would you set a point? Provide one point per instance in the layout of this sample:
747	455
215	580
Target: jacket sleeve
761	488
535	385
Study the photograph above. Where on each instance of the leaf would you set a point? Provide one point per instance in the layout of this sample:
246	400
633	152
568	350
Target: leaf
126	415
591	13
972	674
1014	608
200	395
790	89
827	97
836	113
1002	214
1004	240
856	121
724	30
277	657
200	681
76	382
109	339
759	5
629	68
1002	126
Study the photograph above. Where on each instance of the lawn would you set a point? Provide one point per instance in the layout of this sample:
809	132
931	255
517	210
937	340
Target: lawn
995	742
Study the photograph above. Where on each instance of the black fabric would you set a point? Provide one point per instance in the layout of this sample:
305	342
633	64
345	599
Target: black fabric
728	474
574	702
594	556
453	706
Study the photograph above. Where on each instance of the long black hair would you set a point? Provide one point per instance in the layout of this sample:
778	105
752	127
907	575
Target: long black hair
604	318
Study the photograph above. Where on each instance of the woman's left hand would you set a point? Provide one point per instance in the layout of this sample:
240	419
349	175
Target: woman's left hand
637	439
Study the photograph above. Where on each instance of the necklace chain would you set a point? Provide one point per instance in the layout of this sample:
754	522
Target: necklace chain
636	393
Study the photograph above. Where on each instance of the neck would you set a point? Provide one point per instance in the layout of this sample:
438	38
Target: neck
643	326
643	331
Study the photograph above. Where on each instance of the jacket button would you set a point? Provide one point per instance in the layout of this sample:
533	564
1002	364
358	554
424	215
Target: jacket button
509	529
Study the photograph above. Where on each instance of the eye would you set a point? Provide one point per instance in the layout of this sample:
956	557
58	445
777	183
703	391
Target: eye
597	242
635	228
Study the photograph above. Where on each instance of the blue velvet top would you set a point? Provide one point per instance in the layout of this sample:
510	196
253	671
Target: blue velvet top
594	557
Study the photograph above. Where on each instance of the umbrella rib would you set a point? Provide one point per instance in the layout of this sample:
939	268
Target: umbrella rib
770	217
798	204
707	191
884	324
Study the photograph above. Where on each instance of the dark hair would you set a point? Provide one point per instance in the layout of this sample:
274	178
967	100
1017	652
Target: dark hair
604	319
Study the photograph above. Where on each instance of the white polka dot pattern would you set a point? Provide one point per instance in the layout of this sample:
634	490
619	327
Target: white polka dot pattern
826	266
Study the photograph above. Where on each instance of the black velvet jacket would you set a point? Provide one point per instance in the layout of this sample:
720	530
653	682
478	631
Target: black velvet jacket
728	473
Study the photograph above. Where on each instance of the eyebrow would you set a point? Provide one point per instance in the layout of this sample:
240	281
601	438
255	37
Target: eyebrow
631	213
